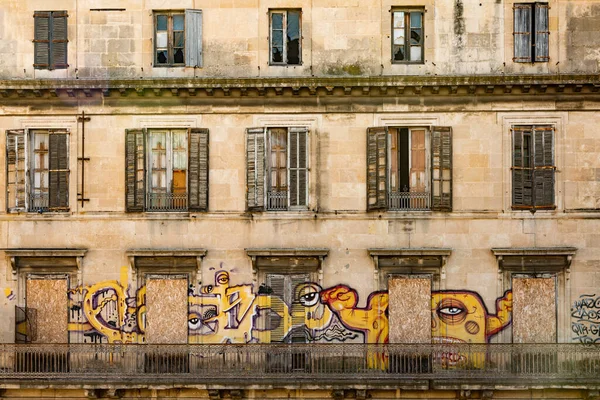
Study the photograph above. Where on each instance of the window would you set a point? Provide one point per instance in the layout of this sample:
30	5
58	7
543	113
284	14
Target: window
50	40
286	37
409	168
277	161
531	34
37	170
166	169
533	167
407	36
178	38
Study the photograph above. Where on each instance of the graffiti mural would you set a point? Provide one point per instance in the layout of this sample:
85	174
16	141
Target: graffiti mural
115	312
585	319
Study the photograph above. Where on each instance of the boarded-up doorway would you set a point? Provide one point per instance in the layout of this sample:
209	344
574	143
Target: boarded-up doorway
534	309
410	309
49	297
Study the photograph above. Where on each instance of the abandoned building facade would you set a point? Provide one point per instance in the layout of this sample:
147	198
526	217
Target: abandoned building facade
299	199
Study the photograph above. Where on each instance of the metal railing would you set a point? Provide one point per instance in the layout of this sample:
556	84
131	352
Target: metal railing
414	201
39	201
166	202
254	363
277	200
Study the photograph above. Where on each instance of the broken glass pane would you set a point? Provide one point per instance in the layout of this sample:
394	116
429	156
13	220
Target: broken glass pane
178	56
398	53
415	36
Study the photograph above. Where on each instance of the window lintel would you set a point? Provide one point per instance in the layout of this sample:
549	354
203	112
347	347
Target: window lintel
534	259
70	258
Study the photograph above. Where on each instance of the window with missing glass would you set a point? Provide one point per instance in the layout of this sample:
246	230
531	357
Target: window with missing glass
178	38
285	37
407	35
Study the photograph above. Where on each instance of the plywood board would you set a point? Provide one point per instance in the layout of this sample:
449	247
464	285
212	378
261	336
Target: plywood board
49	298
534	310
167	311
409	310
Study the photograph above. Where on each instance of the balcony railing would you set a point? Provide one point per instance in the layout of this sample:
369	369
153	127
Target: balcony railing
277	200
39	201
451	364
414	201
167	202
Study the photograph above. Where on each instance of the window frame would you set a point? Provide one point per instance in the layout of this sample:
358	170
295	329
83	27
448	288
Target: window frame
438	165
529	130
285	13
138	172
407	28
170	33
59	175
531	36
51	40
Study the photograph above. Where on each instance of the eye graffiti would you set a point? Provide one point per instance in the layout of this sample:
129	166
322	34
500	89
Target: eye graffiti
451	311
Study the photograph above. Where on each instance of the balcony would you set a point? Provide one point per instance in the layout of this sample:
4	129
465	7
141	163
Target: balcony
409	201
277	200
164	202
403	365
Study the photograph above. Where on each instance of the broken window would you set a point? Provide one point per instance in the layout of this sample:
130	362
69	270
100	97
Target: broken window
407	35
531	32
277	158
178	38
37	170
533	167
167	169
50	40
286	37
409	168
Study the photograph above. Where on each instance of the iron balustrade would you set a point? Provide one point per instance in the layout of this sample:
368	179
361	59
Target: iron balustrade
277	200
39	201
255	363
167	202
414	201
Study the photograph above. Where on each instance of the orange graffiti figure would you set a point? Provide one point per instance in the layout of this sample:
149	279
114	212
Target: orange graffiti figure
372	319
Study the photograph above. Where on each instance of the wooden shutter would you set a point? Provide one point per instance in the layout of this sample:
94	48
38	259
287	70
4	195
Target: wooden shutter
198	170
58	44
298	166
441	168
542	32
255	169
522	32
543	166
41	39
377	168
15	169
135	170
277	284
193	38
298	332
522	172
58	196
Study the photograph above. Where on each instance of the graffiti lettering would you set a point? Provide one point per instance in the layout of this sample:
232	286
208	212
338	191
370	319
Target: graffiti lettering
585	315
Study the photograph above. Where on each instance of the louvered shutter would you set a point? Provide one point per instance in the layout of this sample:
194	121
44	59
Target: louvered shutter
41	39
255	169
58	189
135	170
58	45
298	333
441	168
377	168
198	170
543	163
521	169
277	284
15	169
522	32
298	166
542	32
193	38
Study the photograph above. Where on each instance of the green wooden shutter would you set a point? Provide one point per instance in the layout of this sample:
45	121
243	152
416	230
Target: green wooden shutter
543	164
377	168
193	38
41	39
135	170
255	169
522	32
16	169
198	170
58	187
298	166
58	44
441	168
542	32
522	171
